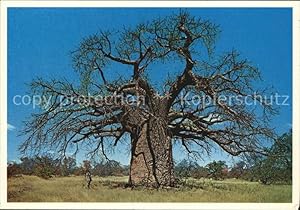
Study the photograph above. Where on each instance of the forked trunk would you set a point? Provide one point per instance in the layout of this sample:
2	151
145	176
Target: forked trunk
151	158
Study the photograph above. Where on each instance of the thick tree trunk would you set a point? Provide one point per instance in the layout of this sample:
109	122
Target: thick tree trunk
151	158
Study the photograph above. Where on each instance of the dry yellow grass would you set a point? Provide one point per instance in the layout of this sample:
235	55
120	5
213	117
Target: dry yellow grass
71	189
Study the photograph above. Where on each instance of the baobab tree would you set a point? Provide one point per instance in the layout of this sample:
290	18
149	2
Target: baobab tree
103	110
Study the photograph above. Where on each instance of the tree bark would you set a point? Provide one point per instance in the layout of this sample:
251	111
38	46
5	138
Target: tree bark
151	155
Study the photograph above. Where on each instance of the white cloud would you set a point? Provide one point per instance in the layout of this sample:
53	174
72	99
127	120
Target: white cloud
10	127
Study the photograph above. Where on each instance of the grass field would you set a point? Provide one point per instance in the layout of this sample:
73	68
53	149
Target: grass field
71	189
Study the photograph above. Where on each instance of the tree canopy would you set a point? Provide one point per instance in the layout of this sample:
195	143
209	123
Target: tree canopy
101	111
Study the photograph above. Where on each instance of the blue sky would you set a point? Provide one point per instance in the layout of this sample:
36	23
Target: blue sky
40	41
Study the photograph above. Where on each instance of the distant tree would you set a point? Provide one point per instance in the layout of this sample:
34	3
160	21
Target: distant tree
181	169
87	165
79	171
98	169
238	170
186	168
277	166
199	172
45	166
27	165
108	168
68	166
114	167
126	170
13	169
217	169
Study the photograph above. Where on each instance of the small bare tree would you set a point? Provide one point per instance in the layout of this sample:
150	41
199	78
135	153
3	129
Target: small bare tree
78	116
87	173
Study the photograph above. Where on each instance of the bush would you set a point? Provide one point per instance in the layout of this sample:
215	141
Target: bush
13	169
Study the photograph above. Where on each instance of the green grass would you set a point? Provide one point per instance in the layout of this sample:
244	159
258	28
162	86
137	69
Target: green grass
109	189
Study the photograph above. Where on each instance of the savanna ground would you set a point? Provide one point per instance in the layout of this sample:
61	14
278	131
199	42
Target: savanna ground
111	189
